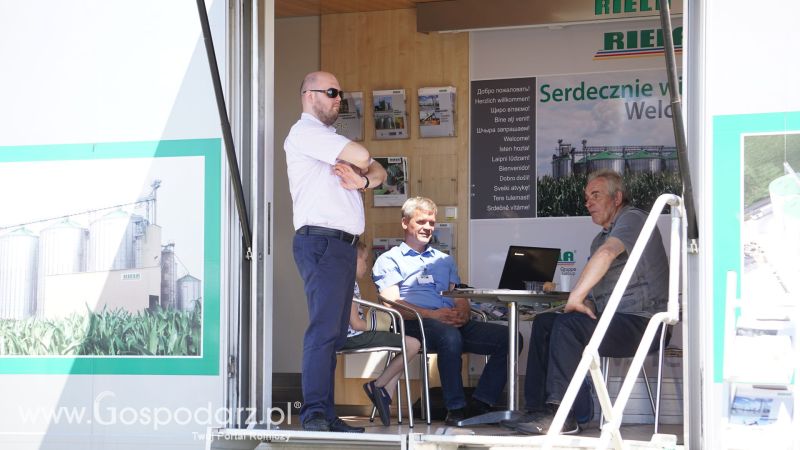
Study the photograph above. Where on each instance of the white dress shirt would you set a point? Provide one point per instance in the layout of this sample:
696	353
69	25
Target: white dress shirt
318	198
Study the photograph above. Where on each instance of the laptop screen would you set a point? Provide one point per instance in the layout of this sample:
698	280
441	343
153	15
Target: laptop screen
528	264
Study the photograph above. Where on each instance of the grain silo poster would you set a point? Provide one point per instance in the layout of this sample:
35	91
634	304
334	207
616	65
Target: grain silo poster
620	120
534	140
109	258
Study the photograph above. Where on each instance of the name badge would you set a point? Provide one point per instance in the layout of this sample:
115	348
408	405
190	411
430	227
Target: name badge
425	279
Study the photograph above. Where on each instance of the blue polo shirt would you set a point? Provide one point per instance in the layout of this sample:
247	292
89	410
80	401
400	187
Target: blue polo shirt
420	276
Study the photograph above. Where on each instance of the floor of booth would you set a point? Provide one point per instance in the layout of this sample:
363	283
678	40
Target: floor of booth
639	432
434	436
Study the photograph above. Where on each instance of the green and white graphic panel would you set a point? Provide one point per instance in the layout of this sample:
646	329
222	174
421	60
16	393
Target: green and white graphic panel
756	216
110	258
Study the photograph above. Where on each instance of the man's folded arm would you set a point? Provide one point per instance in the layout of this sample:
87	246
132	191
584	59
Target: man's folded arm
376	174
356	154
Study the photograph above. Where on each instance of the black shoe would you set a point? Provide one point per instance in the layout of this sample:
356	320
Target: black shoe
477	407
339	426
316	422
380	399
527	416
541	423
454	416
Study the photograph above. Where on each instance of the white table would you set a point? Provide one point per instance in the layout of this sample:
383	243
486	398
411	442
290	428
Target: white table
510	298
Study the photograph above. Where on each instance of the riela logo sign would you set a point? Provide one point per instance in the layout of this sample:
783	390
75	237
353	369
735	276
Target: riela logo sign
637	43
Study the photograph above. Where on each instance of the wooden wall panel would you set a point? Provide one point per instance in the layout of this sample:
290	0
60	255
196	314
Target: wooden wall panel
382	50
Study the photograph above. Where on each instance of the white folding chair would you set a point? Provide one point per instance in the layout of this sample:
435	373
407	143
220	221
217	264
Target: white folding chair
399	328
426	402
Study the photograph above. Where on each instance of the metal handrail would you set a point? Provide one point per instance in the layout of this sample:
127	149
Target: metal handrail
591	358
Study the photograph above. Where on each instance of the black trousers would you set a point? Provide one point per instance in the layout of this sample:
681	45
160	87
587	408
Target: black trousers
556	347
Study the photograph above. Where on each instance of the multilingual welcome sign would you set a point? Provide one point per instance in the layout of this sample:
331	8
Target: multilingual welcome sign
503	149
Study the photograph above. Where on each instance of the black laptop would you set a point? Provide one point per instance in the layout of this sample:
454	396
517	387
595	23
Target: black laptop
528	264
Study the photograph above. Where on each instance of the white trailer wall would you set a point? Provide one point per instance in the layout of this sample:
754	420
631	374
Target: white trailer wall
743	71
111	72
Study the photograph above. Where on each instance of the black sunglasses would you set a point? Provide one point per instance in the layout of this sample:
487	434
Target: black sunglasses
330	92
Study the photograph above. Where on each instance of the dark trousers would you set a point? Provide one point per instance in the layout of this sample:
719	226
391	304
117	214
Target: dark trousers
450	342
556	348
328	268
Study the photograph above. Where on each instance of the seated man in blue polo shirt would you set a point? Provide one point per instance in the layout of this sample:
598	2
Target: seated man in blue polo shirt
413	274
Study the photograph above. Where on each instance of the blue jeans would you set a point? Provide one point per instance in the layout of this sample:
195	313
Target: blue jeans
328	268
556	347
450	342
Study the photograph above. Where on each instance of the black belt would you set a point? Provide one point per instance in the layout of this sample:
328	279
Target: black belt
312	230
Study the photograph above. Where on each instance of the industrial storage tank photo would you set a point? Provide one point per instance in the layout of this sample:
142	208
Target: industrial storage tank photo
112	241
563	160
671	162
580	165
606	160
562	166
644	162
62	250
189	292
19	252
169	269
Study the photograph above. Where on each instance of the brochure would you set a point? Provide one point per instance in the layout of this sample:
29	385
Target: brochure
389	114
393	191
437	111
350	122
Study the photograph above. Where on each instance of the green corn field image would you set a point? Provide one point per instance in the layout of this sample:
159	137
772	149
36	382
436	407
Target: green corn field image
156	332
560	197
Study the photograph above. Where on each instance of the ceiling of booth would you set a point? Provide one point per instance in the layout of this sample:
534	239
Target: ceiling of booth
459	15
295	8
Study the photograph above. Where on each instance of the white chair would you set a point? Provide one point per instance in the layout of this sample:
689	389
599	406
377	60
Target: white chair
426	402
399	327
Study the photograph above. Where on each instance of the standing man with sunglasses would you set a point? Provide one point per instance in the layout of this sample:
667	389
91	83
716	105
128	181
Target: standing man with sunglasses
326	172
